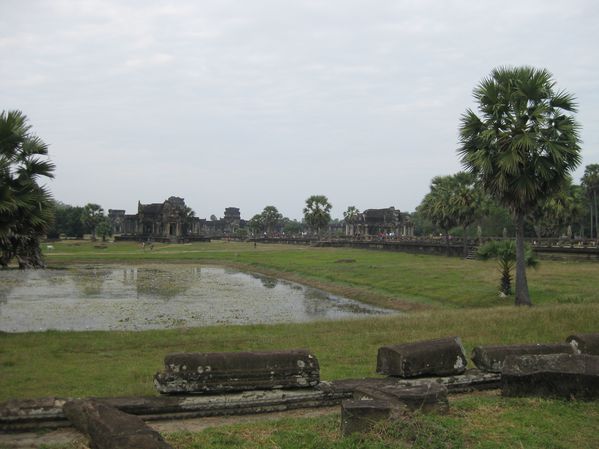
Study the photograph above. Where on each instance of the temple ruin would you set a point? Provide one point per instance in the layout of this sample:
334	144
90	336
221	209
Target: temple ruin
171	221
375	222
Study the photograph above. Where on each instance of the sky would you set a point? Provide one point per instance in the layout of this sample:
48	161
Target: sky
252	103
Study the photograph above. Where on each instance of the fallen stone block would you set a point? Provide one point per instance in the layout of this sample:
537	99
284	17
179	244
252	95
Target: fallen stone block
431	397
361	416
471	380
491	358
109	428
585	343
441	357
36	414
219	372
553	375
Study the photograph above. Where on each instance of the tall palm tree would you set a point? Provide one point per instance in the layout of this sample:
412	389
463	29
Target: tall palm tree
350	216
92	215
590	182
317	212
522	146
436	205
271	217
25	205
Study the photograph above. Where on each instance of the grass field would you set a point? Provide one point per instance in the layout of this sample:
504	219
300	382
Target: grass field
444	296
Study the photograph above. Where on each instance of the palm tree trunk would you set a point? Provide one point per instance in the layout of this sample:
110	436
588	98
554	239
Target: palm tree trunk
591	231
522	295
447	243
595	205
465	242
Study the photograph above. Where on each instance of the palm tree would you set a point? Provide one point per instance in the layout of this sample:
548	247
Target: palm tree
25	206
504	251
256	224
317	212
92	216
436	205
590	182
522	146
467	202
271	218
351	216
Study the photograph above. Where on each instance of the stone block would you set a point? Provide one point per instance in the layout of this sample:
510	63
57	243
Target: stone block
585	343
441	357
553	375
219	372
431	397
361	416
109	428
491	358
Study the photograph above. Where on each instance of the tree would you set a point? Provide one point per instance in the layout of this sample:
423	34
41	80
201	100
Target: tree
317	212
292	227
256	224
590	182
435	205
557	214
67	221
92	216
504	251
25	205
270	218
104	228
522	146
454	200
351	216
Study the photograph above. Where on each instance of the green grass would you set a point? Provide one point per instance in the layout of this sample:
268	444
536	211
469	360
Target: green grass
386	278
445	296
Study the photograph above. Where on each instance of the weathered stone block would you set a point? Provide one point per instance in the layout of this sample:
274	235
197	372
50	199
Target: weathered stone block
431	397
441	357
109	428
585	343
491	358
361	416
237	371
554	375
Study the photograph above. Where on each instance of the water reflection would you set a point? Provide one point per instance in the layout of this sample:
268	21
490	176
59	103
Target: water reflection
160	283
160	296
89	280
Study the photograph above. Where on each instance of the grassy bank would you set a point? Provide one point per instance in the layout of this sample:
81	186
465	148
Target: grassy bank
445	296
386	278
122	363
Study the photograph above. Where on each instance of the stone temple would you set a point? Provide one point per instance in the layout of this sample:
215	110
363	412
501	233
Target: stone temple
387	221
171	221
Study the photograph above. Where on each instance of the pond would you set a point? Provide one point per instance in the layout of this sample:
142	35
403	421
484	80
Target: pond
116	297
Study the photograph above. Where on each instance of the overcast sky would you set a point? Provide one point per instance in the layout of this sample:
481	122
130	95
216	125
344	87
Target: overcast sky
251	103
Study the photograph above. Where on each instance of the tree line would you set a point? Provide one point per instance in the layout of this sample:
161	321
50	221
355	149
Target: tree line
458	205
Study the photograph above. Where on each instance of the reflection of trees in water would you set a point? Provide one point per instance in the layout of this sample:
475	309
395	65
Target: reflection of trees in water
5	289
267	282
318	303
90	280
159	283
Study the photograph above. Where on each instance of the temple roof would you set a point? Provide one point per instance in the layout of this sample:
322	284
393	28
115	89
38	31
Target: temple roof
151	209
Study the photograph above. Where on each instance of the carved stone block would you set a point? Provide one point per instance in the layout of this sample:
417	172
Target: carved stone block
555	375
441	357
491	358
218	372
109	428
585	343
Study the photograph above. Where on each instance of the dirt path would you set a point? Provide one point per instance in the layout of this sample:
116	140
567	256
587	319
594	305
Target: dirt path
33	440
